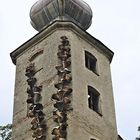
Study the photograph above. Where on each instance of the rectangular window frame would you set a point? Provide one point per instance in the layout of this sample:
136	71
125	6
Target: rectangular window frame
94	100
91	62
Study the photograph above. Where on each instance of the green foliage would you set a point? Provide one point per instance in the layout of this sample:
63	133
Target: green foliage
6	132
138	138
139	128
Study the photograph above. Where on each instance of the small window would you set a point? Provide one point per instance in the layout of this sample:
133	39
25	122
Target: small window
90	62
93	100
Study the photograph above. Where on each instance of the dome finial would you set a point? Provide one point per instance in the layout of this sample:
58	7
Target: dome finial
44	12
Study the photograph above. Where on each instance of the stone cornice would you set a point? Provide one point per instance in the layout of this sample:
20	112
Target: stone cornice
62	25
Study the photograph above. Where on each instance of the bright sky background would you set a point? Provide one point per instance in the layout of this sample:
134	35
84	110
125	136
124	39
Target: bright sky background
115	22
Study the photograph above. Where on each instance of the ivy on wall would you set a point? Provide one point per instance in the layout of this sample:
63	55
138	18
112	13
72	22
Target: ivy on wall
6	132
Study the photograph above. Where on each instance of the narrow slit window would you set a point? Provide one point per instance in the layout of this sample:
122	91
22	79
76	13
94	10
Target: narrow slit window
93	100
90	62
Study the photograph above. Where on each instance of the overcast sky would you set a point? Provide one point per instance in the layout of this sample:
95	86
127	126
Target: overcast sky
115	22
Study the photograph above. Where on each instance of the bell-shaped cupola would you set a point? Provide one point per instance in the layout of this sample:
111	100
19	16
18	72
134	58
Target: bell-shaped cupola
45	12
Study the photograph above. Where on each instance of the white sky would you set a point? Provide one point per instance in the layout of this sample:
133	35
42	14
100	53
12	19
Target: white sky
115	22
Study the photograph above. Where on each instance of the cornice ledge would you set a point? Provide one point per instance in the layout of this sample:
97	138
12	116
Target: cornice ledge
61	25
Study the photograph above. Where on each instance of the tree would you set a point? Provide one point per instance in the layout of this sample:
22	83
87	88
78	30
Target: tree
6	132
138	138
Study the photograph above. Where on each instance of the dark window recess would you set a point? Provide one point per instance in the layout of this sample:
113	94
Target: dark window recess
92	139
90	62
93	99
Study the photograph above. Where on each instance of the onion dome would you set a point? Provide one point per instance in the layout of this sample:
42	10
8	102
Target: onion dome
45	12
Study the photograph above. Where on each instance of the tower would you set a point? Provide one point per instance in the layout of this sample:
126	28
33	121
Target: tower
63	88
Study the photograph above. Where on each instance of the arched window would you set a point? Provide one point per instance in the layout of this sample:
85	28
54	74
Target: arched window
94	100
90	62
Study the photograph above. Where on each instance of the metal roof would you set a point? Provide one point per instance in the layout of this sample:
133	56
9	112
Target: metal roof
44	12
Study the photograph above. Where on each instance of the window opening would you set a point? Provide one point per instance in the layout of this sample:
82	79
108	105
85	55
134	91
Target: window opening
90	62
93	99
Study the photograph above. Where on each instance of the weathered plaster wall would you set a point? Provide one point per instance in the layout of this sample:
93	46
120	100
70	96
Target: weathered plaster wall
83	123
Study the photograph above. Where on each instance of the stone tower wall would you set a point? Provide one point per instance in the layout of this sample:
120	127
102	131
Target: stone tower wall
83	123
